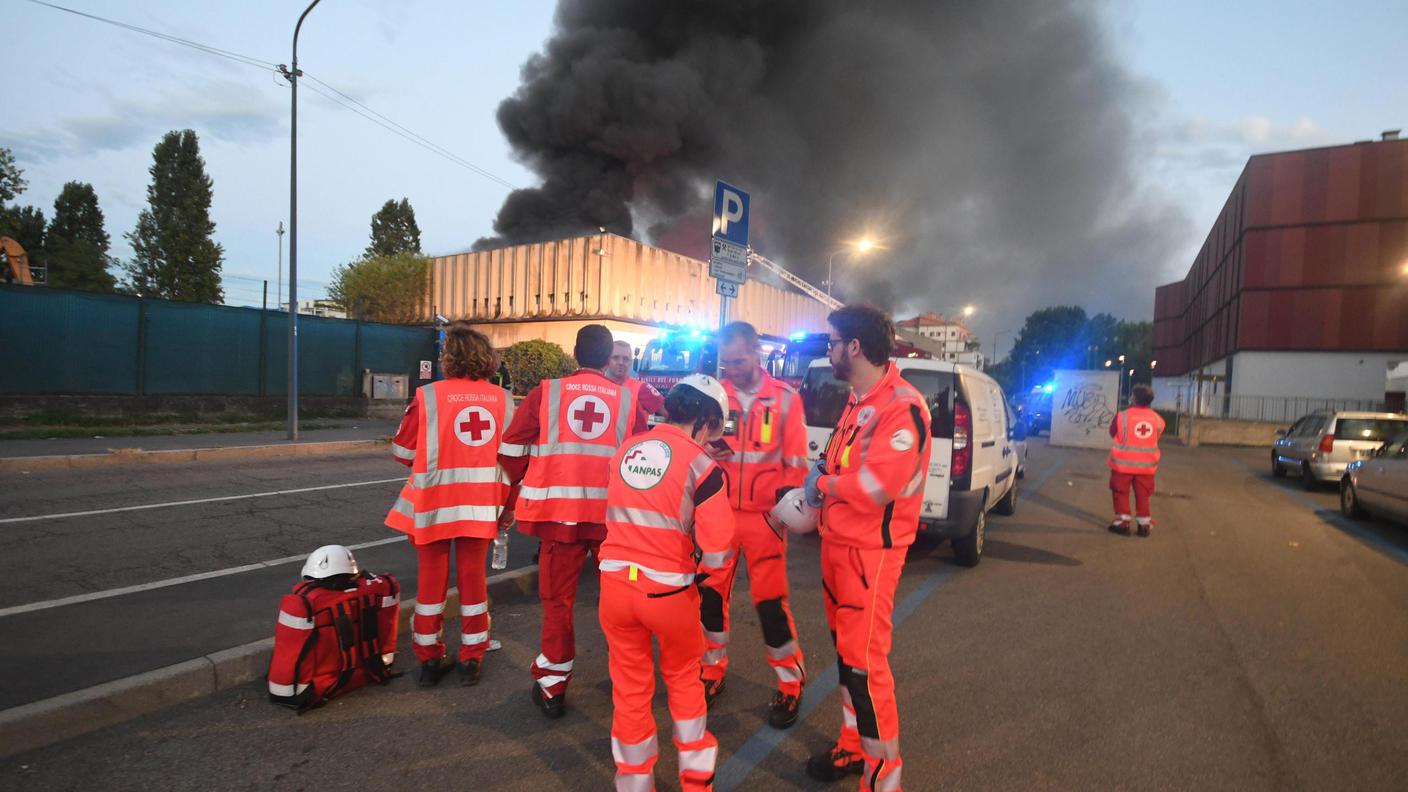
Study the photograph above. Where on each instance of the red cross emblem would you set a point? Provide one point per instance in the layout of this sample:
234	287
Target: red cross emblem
1143	430
589	416
474	426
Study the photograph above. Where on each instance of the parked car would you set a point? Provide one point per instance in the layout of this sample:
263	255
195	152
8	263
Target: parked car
1321	445
1038	411
1019	440
975	461
1378	484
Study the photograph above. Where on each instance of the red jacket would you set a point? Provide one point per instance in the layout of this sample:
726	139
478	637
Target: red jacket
524	432
770	446
876	463
1136	448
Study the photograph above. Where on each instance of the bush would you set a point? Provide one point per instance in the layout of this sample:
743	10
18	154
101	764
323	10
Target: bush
531	362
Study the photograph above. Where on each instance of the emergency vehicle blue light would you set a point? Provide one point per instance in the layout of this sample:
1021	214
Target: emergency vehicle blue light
1047	388
695	333
797	336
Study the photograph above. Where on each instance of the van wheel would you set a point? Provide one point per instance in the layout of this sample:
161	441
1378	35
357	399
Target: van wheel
1307	478
1276	469
1008	505
1349	501
968	550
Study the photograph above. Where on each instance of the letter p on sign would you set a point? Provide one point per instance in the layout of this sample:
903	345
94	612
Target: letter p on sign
730	213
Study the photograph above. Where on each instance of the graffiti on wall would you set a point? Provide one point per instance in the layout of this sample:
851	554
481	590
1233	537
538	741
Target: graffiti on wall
1082	405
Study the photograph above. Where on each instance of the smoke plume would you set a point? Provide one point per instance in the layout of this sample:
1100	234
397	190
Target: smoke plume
993	147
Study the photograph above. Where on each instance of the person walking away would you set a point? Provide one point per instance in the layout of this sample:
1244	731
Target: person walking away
1134	459
869	485
450	436
765	455
619	371
665	496
559	448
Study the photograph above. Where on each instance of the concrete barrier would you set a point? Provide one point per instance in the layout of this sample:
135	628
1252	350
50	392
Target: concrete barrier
1227	432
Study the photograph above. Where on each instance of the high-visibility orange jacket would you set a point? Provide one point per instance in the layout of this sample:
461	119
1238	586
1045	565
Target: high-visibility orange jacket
450	436
876	463
769	446
582	420
665	496
1136	448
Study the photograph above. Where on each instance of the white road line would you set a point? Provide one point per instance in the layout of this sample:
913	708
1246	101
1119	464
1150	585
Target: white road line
118	592
64	515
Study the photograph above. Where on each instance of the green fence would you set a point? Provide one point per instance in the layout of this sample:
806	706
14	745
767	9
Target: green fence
55	341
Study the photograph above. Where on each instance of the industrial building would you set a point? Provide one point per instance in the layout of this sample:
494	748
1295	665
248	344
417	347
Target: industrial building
957	341
548	290
1300	291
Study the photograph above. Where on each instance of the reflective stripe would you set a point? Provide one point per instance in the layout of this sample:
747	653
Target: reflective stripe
388	658
715	560
761	457
788	673
635	782
401	452
1133	464
890	781
625	417
783	652
475	609
542	662
645	518
554	407
872	486
691	729
463	475
715	656
795	461
387	602
888	750
430	609
557	491
548	681
513	449
286	690
699	761
676	579
448	514
720	638
432	426
421	639
635	753
579	449
296	622
474	639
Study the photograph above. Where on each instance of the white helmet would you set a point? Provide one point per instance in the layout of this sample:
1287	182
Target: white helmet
330	560
793	512
708	386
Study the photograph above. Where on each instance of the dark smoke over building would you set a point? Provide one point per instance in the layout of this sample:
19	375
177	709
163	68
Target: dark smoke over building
992	145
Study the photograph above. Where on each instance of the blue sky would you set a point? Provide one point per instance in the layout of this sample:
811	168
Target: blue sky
87	101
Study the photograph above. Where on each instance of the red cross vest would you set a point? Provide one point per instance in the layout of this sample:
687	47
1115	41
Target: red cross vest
581	423
456	488
769	445
1136	447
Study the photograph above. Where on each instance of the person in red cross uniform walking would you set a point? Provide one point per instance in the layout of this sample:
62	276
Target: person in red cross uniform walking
450	438
765	455
559	448
1134	459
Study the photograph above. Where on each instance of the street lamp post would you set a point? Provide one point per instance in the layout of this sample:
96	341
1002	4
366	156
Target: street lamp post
860	246
292	75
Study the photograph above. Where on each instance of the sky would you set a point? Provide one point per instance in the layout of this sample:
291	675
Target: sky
87	101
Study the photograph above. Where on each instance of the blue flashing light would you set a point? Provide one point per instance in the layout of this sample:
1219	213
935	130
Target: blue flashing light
797	336
1047	388
695	333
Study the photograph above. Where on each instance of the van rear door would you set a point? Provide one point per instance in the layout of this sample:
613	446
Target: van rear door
823	399
937	387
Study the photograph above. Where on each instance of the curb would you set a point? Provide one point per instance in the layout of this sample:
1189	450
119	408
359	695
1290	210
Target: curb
128	456
43	723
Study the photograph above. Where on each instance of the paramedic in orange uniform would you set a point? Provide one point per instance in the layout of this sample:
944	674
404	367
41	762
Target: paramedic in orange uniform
666	495
619	371
870	487
559	448
1134	460
450	438
764	455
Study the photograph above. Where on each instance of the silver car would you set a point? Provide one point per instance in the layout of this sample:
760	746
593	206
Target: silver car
1378	485
1321	445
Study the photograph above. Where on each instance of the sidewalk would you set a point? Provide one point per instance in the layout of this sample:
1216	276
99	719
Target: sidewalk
358	429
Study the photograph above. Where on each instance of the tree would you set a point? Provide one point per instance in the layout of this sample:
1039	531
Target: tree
531	362
25	224
77	244
392	288
394	230
12	181
174	255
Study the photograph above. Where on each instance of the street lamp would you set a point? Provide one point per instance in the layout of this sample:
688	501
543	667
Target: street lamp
1109	363
861	246
292	75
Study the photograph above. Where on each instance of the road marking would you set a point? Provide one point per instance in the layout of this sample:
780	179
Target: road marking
169	504
118	592
752	752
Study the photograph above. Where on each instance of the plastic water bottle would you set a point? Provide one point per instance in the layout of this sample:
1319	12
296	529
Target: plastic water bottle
500	559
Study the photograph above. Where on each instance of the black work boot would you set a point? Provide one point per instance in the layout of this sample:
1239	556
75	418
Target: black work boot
431	671
1120	527
1143	530
552	707
834	764
782	710
713	688
469	672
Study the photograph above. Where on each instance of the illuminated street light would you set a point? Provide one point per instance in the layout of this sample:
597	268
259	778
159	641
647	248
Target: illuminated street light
968	311
1121	358
1109	363
860	246
1153	364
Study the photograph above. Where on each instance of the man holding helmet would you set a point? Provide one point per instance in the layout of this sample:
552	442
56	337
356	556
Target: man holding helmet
664	496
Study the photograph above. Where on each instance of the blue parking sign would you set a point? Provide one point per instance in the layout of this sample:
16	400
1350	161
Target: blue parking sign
730	213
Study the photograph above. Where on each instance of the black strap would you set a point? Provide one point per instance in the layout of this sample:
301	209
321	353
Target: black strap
670	593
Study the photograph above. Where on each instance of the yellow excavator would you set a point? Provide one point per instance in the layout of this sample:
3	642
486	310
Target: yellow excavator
14	262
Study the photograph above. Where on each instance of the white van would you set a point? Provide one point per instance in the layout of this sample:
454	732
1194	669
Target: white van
974	462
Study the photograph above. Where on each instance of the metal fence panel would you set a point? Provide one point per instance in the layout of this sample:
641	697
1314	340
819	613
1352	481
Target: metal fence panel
394	349
196	348
327	357
57	341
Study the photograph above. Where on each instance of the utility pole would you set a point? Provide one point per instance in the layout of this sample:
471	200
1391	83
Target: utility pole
279	283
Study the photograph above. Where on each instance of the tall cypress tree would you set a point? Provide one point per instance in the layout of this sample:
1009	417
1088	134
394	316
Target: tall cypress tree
394	230
77	244
174	255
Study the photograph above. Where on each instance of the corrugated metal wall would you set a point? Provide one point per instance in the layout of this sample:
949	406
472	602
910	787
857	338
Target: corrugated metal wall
604	276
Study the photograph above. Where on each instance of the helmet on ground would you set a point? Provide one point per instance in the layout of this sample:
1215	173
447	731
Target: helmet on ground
793	512
330	560
709	387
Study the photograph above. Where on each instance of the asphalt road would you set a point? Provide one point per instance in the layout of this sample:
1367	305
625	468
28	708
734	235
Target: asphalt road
1256	641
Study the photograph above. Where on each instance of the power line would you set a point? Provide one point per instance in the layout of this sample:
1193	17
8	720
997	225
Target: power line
234	56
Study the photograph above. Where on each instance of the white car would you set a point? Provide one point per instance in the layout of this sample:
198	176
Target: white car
1321	445
975	461
1378	484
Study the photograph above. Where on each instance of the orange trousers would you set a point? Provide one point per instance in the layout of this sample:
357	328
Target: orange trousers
432	583
766	553
859	592
633	612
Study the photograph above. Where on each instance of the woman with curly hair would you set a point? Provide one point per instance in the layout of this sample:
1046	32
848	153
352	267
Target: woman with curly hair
450	438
